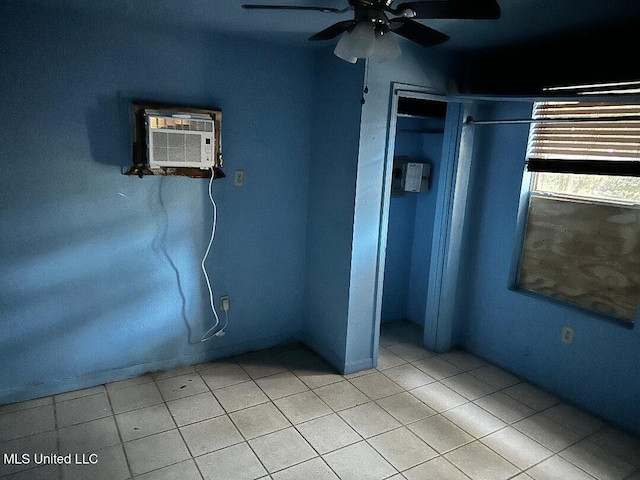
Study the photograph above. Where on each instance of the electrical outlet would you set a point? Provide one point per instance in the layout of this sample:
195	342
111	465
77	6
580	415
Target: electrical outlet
238	178
226	304
567	335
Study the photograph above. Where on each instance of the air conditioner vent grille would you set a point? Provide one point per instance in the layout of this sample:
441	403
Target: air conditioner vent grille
176	147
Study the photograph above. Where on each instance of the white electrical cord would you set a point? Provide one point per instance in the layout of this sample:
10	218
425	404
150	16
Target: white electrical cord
221	332
207	335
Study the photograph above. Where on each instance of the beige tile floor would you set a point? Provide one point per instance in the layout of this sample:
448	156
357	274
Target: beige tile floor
284	414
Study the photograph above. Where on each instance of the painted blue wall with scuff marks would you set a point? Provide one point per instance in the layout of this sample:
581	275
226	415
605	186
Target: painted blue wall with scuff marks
100	274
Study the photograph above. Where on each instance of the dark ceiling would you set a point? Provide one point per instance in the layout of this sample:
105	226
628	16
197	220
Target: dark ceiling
534	43
522	21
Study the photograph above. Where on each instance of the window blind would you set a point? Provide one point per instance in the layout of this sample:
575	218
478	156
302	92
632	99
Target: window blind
587	137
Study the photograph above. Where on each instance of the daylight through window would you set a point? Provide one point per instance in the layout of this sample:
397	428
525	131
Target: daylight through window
603	138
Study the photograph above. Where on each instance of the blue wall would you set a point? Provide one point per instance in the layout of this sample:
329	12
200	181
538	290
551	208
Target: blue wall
397	268
402	213
424	226
332	183
599	371
411	217
100	274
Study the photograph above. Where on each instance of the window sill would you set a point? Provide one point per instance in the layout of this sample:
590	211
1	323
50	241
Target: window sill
629	325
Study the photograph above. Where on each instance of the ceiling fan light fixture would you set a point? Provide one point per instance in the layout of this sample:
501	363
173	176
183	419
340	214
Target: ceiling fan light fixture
371	20
386	47
363	39
341	54
343	51
359	42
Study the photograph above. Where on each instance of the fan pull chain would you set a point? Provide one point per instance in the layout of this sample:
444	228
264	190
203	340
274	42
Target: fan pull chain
365	90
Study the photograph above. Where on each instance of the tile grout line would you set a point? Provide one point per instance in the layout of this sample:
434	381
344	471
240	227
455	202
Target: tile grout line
192	458
573	463
291	425
56	430
255	454
113	415
279	430
309	443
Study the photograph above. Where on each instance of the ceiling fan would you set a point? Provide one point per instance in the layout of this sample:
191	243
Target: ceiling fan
368	34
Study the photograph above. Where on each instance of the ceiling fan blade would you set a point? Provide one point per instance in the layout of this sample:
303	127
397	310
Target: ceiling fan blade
292	7
416	32
333	31
471	9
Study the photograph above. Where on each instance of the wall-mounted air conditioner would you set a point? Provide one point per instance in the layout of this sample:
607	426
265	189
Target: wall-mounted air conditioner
180	139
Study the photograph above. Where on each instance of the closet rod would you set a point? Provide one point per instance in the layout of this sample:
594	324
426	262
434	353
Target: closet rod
425	131
470	121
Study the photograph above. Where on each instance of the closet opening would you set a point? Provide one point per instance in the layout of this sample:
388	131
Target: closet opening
417	161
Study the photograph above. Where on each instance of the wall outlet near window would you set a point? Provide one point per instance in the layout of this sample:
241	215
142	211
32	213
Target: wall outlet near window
238	178
567	335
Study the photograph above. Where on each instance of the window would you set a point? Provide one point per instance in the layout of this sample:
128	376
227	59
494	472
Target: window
582	238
